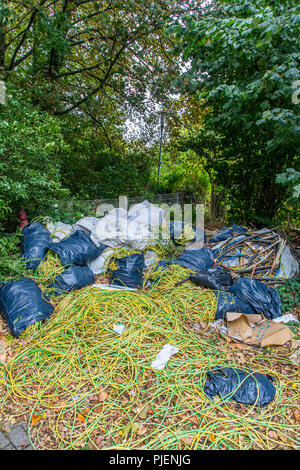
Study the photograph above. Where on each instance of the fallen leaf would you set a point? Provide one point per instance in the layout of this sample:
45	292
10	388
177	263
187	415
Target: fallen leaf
273	435
283	438
296	414
211	437
236	346
102	396
81	417
3	350
36	418
144	412
193	419
141	431
187	440
130	427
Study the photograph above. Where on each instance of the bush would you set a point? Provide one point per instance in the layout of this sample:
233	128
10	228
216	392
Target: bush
11	263
30	147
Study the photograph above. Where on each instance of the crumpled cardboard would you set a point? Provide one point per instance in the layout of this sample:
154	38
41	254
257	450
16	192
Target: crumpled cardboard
257	330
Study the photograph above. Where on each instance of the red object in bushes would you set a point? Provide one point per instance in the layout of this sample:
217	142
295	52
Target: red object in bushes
23	218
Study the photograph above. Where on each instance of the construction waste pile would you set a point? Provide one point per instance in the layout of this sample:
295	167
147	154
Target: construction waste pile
109	354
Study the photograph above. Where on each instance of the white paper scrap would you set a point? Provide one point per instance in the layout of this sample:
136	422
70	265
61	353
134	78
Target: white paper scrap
163	356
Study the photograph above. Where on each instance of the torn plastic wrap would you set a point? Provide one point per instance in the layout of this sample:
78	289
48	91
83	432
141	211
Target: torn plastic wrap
289	266
129	272
99	264
226	233
214	279
245	387
22	303
226	302
73	278
59	231
87	224
35	242
196	260
261	298
78	249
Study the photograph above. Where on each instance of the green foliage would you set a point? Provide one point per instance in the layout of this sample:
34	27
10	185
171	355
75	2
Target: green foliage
30	145
93	171
291	178
242	61
290	295
11	262
290	209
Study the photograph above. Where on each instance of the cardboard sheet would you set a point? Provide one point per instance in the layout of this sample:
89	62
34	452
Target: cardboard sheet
257	330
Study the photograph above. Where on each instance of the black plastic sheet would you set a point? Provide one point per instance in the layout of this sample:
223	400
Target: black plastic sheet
226	302
22	303
227	232
245	387
214	279
129	272
196	260
78	249
73	278
261	298
35	242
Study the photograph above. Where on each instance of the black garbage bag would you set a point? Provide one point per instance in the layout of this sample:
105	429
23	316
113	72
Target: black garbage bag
226	302
129	272
227	232
34	244
73	278
214	279
242	386
261	298
23	303
197	260
78	249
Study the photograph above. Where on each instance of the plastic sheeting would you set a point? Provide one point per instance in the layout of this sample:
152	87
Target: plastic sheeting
245	387
261	298
73	278
197	260
289	266
78	249
129	272
226	302
146	213
117	230
35	242
22	303
99	264
59	231
214	279
226	233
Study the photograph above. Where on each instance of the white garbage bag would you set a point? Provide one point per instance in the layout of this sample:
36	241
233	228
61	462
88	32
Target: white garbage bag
147	213
87	224
59	231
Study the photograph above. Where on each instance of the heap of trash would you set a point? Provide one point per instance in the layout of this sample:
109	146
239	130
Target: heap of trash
238	265
144	313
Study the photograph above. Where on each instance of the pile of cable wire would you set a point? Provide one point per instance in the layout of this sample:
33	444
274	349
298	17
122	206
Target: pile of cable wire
80	385
254	254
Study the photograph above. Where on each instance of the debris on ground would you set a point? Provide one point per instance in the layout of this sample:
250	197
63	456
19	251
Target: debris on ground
126	341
